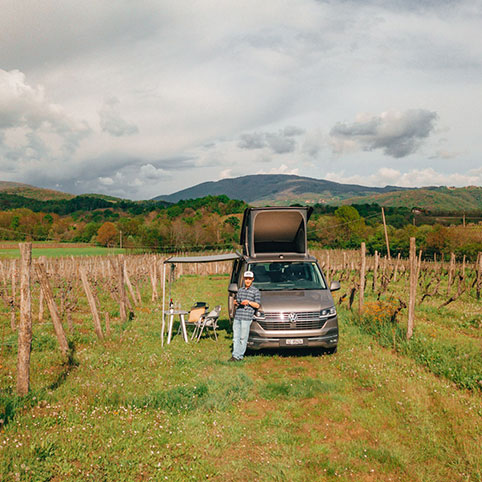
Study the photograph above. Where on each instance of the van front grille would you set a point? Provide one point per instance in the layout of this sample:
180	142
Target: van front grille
304	320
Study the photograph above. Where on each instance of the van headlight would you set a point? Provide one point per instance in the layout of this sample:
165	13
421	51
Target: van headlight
328	312
259	315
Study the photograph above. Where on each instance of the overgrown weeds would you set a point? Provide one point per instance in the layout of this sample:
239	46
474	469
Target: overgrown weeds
459	362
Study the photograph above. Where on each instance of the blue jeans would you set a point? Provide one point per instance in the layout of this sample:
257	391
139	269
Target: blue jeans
240	337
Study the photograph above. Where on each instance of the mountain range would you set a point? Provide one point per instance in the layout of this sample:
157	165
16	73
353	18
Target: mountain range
282	189
278	189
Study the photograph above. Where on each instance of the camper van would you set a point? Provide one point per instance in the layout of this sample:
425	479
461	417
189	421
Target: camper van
297	308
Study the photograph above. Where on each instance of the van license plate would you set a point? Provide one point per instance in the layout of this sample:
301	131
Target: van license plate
294	341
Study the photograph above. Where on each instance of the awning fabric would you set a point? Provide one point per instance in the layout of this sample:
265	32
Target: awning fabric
203	259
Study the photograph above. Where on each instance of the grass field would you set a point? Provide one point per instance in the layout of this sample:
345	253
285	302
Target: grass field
128	409
10	250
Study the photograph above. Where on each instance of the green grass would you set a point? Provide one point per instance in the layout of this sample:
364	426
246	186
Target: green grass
446	339
62	251
457	358
128	409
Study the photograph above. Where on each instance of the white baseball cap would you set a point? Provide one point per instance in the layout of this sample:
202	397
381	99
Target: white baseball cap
248	274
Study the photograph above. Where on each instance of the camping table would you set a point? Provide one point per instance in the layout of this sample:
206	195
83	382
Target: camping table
181	314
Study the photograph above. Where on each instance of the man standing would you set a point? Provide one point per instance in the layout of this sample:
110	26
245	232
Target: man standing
248	300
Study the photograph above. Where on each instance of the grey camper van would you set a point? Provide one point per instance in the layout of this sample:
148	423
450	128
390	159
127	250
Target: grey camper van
297	308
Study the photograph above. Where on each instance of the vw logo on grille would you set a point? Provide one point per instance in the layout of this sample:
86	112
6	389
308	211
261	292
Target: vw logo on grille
293	317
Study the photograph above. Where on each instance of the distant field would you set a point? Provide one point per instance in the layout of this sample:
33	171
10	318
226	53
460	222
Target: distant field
10	250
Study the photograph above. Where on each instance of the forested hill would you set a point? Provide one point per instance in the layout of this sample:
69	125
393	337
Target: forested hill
85	203
432	198
32	192
277	187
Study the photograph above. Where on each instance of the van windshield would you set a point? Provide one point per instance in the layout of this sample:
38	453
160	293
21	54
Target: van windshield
287	276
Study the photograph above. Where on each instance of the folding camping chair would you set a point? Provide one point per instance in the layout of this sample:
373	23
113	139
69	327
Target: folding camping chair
195	316
209	321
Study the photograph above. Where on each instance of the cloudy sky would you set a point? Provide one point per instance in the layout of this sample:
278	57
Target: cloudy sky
141	98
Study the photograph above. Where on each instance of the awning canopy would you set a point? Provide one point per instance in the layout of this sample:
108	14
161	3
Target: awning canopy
203	259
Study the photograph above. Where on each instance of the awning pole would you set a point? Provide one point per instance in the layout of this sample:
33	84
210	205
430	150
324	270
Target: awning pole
163	301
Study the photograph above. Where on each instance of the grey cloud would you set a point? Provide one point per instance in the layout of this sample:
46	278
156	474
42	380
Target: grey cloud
75	176
200	83
30	125
256	140
118	176
398	134
78	28
313	142
292	131
406	5
176	163
112	122
279	142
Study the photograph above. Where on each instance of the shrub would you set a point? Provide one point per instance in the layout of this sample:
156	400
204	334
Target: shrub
379	318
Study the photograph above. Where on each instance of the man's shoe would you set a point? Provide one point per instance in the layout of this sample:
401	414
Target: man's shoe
232	359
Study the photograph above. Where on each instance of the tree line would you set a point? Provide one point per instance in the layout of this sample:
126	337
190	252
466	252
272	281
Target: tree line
215	221
346	228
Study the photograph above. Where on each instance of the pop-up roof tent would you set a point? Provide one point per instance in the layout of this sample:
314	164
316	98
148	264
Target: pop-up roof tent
188	259
275	230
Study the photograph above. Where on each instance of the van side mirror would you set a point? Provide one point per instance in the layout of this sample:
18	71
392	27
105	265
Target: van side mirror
335	286
233	287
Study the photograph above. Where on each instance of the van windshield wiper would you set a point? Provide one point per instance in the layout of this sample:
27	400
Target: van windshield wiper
306	288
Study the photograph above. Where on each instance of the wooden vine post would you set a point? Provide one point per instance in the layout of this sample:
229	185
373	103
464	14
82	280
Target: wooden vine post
362	277
419	263
122	289
42	259
153	277
54	312
451	272
413	288
92	304
386	234
129	284
25	325
107	323
479	274
375	272
395	271
13	275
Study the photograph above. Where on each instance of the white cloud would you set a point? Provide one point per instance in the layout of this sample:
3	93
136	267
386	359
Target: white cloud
283	169
32	127
227	173
150	173
412	178
106	181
